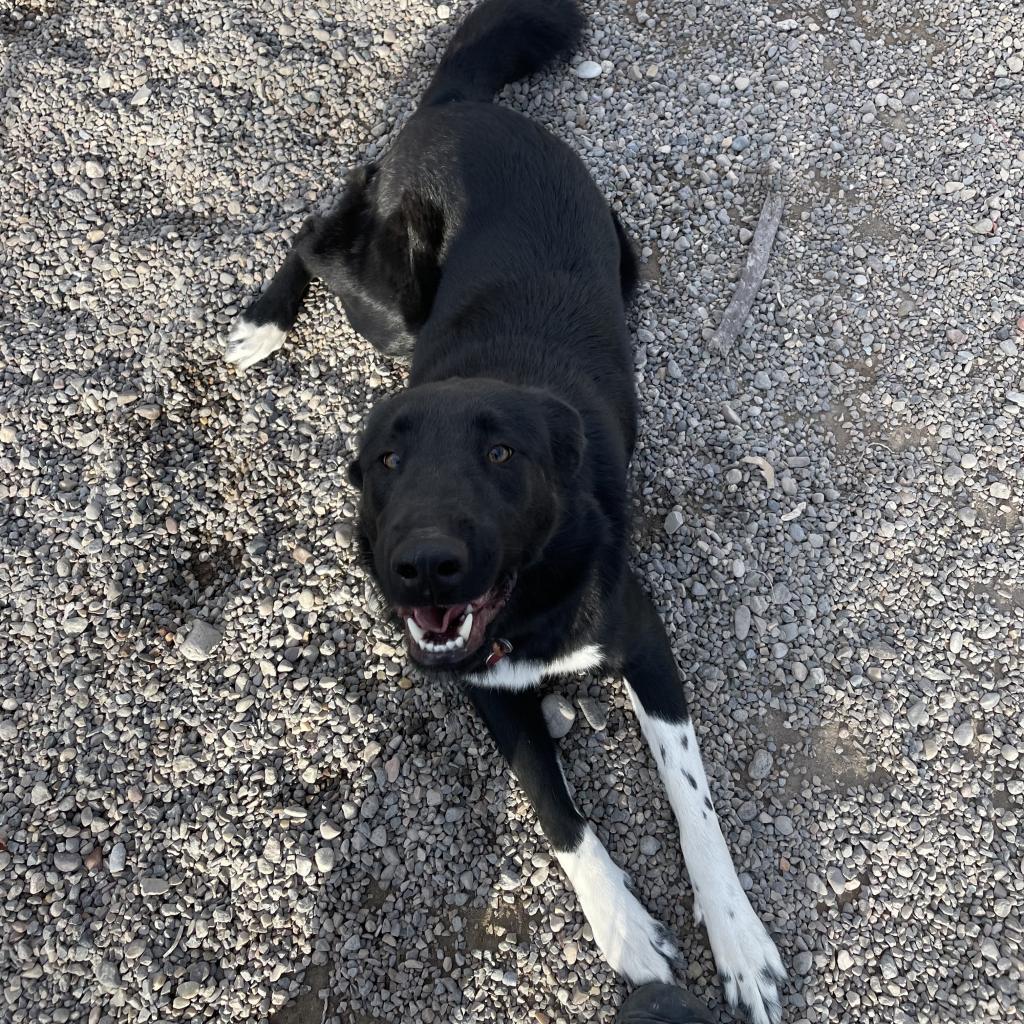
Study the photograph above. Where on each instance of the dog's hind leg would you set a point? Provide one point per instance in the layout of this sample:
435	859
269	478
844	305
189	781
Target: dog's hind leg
629	268
633	943
748	962
262	328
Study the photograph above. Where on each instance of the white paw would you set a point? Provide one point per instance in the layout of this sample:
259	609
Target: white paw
634	944
249	343
748	962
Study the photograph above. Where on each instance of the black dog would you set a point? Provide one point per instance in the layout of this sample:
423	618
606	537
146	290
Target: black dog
494	509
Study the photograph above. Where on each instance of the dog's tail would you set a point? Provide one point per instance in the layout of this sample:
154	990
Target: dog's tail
502	41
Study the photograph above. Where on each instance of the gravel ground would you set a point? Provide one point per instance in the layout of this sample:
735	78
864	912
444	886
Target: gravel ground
217	771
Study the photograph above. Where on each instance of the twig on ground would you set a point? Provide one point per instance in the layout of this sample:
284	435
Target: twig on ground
753	273
767	471
174	945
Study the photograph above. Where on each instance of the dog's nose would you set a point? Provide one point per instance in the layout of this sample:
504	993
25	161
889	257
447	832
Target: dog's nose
429	568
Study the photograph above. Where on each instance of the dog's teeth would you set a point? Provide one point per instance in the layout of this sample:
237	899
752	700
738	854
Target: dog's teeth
420	637
466	627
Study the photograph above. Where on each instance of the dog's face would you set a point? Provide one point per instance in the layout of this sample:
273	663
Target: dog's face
463	484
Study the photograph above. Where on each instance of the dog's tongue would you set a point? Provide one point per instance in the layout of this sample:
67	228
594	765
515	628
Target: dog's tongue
436	618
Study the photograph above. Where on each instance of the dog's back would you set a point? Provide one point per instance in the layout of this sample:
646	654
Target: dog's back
526	266
475	222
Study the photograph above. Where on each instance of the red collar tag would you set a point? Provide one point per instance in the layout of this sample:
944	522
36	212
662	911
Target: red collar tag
500	649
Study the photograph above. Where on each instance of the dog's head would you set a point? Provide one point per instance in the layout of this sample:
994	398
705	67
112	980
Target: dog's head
464	483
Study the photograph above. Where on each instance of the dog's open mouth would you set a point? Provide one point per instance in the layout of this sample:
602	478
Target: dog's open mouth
446	634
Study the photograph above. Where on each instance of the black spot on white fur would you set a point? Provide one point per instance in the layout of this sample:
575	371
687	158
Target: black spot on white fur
740	944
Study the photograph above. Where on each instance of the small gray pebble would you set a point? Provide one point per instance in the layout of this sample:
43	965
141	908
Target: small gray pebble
784	825
594	713
116	860
917	713
67	862
329	830
963	735
741	622
201	640
816	885
108	976
558	714
760	765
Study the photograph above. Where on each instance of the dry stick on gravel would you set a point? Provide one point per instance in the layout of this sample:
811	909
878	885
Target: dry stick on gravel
174	945
753	273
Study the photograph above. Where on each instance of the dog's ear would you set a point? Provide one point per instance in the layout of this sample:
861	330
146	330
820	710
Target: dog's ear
355	474
565	430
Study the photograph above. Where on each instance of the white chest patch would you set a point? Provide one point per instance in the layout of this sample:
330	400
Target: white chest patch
509	674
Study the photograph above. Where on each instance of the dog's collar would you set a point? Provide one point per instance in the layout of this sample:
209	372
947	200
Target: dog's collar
499	650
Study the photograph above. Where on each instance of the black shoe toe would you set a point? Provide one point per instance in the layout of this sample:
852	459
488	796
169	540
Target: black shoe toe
662	1004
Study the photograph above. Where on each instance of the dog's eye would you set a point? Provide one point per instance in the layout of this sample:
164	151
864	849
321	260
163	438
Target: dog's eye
391	460
499	453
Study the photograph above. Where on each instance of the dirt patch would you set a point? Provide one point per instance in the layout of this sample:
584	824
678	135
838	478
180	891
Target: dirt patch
307	1007
839	760
486	928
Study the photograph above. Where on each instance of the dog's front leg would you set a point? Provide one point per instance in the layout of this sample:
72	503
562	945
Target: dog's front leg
747	959
633	943
263	327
